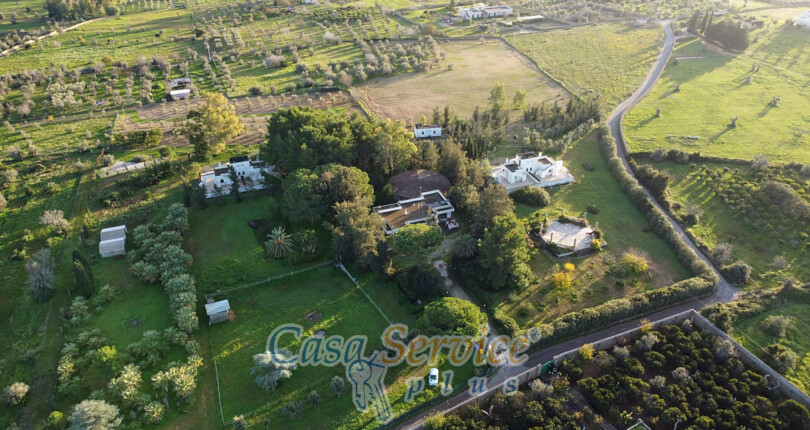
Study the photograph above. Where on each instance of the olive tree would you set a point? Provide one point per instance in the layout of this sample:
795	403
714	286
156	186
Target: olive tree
270	367
94	415
40	270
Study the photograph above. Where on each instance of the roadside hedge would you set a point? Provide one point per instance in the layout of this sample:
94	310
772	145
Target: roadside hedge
656	217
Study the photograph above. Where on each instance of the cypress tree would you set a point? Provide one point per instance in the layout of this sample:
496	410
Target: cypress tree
705	21
83	278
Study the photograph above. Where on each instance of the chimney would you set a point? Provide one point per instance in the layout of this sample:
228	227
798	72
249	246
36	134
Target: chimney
406	211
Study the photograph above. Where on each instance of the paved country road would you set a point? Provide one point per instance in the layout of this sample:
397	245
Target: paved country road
724	292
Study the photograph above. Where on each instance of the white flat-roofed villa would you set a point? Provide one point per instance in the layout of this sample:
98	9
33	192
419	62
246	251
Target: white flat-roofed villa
531	169
430	206
217	181
481	10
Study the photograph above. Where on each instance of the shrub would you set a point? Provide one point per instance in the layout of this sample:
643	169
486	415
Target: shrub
737	273
562	280
777	325
314	398
56	420
275	61
632	263
15	153
621	352
15	393
593	209
292	409
337	386
3	202
107	160
760	162
541	389
532	196
779	357
166	151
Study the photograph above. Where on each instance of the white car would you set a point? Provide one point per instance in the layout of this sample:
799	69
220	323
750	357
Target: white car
433	378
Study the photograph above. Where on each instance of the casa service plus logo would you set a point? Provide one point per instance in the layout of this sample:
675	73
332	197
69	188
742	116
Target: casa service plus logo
366	372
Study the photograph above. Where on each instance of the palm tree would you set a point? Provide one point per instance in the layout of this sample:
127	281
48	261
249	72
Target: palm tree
280	243
467	246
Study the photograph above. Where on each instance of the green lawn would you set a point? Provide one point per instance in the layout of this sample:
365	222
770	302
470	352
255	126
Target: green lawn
345	311
610	60
228	252
624	229
750	334
715	88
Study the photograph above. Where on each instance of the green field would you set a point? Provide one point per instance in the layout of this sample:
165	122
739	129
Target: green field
750	334
624	229
715	88
476	68
609	60
752	241
227	252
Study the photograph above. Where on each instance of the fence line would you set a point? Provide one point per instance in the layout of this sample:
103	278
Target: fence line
343	268
219	393
271	279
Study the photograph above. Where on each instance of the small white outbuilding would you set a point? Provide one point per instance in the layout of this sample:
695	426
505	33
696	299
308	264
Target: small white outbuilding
112	247
218	311
116	232
113	241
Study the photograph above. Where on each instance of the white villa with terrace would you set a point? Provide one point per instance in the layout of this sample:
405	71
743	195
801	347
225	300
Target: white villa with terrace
481	10
217	181
531	169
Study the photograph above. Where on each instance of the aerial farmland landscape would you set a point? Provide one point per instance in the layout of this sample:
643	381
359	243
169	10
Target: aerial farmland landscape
402	214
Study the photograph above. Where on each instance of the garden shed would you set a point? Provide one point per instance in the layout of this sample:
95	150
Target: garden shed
116	232
113	241
218	311
112	247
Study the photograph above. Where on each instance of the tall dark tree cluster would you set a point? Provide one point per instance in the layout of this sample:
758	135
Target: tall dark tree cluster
83	279
556	120
728	32
306	138
74	9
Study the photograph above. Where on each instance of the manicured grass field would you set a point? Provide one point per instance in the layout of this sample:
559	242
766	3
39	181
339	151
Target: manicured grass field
720	224
610	60
476	68
750	334
623	226
228	252
714	88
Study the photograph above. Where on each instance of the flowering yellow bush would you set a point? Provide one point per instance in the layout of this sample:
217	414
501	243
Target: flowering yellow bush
562	280
569	267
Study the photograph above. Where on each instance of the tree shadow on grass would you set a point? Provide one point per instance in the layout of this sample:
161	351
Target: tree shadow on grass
647	121
720	134
765	111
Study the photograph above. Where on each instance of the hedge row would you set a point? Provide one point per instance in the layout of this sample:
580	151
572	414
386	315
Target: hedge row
158	257
657	219
616	310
